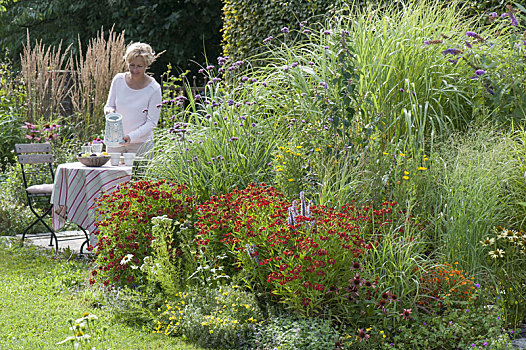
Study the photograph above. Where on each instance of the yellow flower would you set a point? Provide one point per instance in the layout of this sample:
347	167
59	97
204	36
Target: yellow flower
386	153
406	173
402	154
318	149
211	331
422	168
329	146
425	158
284	163
291	180
405	177
298	147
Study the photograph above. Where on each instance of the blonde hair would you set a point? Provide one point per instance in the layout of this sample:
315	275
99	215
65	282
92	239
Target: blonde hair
143	50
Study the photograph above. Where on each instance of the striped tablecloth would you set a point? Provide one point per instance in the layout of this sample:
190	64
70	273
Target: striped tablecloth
75	188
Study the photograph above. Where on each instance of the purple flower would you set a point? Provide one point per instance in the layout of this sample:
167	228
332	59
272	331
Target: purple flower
468	45
197	97
426	42
477	285
480	72
471	34
306	31
284	30
451	51
210	67
221	70
268	39
513	20
253	124
485	343
294	64
326	32
201	70
244	78
473	345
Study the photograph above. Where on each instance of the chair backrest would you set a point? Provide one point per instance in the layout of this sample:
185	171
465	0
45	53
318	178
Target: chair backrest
34	153
36	162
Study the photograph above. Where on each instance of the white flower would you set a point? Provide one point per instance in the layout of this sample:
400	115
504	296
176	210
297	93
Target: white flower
126	259
487	241
497	253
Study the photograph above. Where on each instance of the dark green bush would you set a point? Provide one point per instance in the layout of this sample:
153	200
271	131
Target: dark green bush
247	23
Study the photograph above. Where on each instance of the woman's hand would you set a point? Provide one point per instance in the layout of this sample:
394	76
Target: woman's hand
109	110
126	140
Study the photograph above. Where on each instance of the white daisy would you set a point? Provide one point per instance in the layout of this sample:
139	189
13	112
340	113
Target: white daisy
487	241
126	259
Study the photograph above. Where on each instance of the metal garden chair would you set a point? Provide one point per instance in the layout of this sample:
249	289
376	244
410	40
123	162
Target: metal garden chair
36	162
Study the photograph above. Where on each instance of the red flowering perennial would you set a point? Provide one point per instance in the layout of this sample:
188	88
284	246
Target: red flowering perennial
125	227
308	265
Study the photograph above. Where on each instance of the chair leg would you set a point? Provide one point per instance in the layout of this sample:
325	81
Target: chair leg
40	218
26	230
86	242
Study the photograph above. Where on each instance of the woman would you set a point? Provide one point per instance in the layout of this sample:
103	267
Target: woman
137	97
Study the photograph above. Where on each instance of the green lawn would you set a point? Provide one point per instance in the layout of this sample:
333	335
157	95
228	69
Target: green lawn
38	294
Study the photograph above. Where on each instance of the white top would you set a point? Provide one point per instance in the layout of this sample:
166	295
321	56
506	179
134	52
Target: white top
140	108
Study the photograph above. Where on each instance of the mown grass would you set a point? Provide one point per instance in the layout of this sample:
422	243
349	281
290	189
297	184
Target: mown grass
39	293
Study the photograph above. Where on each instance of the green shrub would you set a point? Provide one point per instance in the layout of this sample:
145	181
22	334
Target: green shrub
247	23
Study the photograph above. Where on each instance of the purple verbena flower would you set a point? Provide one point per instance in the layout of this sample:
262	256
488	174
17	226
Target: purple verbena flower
480	72
306	31
284	30
266	40
210	67
451	51
471	34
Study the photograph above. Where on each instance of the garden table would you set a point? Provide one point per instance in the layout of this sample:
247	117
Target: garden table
76	187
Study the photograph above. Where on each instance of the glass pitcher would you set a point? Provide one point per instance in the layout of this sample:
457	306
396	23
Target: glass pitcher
113	132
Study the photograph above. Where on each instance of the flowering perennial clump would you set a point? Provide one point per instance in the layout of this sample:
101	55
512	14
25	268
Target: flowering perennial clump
125	229
445	281
308	257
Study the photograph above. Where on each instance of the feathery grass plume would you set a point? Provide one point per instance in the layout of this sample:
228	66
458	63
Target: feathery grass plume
95	71
45	71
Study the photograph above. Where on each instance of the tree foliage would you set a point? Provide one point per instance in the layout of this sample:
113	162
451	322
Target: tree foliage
186	29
